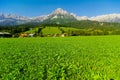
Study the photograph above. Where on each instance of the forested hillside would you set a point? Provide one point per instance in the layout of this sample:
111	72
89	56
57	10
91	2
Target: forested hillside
84	27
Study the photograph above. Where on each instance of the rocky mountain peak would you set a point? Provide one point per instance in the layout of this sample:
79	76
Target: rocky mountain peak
60	11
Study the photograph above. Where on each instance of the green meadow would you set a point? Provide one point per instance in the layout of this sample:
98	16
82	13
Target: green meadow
60	58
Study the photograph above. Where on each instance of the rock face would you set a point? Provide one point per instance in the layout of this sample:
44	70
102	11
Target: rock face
106	18
60	11
11	19
57	16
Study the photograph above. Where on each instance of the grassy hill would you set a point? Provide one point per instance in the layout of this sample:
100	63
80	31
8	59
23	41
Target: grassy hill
70	27
51	30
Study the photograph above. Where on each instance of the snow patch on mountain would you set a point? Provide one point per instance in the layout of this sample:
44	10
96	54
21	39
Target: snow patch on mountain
106	18
82	18
59	11
39	18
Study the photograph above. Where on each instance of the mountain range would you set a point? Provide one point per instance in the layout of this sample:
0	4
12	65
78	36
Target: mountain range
58	16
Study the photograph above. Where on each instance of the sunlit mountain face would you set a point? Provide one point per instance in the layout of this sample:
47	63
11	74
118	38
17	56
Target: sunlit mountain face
57	16
107	18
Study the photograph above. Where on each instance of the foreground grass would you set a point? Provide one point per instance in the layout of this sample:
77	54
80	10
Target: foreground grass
69	58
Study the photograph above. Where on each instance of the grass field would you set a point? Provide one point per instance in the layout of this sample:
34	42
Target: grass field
52	30
68	58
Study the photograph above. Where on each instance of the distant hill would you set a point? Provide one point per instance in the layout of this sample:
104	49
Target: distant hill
58	16
75	28
71	28
60	21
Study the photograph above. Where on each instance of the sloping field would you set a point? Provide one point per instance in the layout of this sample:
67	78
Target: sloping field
68	58
52	30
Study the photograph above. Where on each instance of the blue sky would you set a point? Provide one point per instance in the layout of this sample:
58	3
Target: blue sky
33	8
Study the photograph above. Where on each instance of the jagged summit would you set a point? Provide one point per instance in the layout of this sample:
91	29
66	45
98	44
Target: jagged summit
60	11
107	18
58	15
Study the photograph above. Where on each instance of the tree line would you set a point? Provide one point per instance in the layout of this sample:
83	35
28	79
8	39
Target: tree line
83	28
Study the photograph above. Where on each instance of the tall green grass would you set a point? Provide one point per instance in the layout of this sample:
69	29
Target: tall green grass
68	58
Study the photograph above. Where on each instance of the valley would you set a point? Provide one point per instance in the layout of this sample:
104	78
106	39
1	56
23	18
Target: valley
60	22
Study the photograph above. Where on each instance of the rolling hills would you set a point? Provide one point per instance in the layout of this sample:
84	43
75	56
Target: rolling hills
60	21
